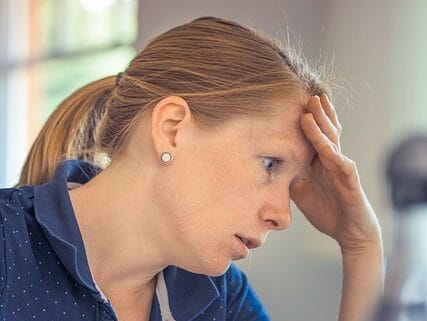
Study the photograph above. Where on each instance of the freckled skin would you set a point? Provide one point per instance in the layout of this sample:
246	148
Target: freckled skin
217	186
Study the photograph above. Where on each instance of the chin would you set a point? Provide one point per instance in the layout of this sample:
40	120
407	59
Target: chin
217	265
214	267
217	271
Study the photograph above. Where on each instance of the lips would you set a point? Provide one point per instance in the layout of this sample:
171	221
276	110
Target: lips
251	243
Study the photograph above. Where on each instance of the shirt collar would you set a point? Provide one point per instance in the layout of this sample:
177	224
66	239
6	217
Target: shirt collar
189	293
54	213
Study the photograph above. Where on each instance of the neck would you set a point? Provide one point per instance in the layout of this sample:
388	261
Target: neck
121	241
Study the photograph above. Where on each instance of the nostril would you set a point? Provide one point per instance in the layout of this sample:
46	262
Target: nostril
275	218
274	223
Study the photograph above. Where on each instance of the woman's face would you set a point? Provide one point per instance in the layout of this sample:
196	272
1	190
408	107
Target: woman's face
225	185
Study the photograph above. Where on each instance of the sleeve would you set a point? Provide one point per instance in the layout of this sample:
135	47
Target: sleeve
242	301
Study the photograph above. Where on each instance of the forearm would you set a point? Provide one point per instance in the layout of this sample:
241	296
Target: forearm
363	283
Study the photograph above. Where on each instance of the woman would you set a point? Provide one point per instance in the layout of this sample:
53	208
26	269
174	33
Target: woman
186	161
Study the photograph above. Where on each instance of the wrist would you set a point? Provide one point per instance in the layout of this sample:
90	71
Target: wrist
369	258
366	240
360	248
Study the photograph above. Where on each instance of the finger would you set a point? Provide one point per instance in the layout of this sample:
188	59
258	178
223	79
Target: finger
342	163
315	107
346	168
329	155
330	112
328	152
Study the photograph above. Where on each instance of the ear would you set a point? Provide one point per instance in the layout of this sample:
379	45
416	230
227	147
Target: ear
169	118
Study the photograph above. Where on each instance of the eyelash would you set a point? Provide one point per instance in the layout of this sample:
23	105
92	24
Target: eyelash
276	163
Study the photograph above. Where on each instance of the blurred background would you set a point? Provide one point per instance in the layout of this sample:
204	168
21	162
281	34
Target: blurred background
49	48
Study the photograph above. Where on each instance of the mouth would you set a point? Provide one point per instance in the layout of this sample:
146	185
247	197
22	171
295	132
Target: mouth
251	243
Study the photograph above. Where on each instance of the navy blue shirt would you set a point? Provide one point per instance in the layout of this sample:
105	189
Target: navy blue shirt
44	273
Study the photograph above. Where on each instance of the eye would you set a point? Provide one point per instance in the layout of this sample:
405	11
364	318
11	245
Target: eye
271	163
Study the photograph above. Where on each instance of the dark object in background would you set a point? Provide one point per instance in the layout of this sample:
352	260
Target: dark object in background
405	296
407	172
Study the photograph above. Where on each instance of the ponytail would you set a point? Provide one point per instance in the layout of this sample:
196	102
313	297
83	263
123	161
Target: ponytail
69	133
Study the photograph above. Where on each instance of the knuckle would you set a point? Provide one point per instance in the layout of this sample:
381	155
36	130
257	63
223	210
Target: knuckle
337	131
352	164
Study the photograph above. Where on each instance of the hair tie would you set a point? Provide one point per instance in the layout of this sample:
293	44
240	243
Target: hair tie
118	77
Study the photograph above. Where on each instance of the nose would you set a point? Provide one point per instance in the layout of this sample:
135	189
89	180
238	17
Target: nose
277	216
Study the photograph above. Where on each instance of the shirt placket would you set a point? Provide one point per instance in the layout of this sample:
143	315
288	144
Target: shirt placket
105	309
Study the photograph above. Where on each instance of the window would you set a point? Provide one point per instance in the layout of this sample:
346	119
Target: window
48	49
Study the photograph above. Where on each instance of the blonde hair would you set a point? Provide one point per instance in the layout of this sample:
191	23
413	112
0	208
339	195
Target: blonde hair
222	69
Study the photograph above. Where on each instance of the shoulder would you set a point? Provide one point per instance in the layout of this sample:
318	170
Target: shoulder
14	204
16	198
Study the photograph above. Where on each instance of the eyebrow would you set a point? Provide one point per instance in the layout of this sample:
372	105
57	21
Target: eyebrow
287	140
290	139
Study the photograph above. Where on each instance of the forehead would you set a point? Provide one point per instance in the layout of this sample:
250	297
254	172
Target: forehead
283	130
282	124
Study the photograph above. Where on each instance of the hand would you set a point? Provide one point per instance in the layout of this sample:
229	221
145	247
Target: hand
331	196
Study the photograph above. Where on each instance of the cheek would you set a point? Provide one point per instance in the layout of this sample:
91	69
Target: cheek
189	199
223	192
207	196
233	190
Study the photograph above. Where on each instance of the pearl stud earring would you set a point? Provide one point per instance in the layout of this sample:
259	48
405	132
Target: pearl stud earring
166	157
